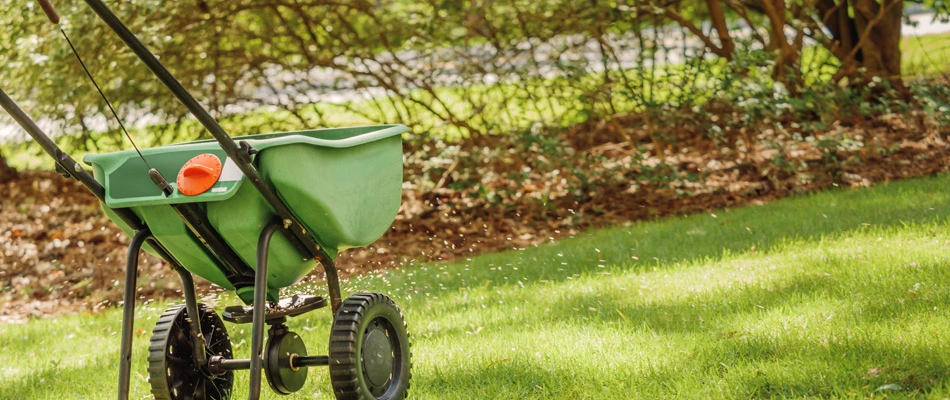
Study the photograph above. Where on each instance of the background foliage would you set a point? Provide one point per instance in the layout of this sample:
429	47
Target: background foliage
448	68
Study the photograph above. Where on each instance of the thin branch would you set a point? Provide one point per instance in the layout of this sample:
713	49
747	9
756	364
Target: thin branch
672	14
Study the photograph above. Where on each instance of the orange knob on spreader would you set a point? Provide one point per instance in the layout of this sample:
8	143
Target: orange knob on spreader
199	174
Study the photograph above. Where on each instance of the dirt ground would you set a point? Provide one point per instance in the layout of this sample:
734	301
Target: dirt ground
60	254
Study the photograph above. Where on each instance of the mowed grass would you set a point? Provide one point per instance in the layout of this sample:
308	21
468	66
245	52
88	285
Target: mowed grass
842	294
925	56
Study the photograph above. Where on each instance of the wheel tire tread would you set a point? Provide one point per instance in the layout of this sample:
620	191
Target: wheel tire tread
343	349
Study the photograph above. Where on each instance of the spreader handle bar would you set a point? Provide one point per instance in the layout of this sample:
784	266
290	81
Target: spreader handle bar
76	171
50	11
63	160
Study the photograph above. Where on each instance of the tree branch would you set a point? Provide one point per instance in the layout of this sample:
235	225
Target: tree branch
672	14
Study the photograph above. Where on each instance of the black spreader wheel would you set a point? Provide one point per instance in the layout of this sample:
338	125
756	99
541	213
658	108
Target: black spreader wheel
369	349
172	369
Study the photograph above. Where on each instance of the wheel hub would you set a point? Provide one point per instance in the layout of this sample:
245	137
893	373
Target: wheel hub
377	355
282	348
369	349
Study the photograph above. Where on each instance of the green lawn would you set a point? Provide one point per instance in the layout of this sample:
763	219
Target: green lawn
836	294
925	55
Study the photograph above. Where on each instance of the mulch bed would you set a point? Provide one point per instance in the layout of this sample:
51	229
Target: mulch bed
60	254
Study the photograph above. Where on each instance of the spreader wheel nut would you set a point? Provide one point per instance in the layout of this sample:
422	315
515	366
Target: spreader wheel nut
369	349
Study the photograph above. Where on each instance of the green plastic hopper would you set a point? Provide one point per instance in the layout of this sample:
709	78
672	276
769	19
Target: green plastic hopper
343	184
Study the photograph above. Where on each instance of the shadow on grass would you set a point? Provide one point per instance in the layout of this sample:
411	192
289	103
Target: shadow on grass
876	299
89	381
507	378
759	368
743	360
726	369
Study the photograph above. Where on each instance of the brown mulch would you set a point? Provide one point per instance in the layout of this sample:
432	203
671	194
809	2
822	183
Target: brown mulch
60	254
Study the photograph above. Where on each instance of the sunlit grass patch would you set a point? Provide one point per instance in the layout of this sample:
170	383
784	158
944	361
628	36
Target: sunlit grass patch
925	55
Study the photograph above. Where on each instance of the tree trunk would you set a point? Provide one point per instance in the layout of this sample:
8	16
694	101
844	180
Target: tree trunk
7	173
718	17
787	68
869	40
880	49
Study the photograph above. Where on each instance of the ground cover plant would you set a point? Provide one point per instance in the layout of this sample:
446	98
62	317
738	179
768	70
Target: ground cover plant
834	294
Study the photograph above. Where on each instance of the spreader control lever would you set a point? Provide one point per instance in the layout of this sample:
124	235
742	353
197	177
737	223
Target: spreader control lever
50	11
199	174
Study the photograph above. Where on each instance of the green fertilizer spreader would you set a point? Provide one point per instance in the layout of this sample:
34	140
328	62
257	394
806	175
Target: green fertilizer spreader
344	184
211	208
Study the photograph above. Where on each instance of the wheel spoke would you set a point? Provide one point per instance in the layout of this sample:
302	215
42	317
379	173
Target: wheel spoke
198	391
177	360
210	334
215	388
215	345
181	340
